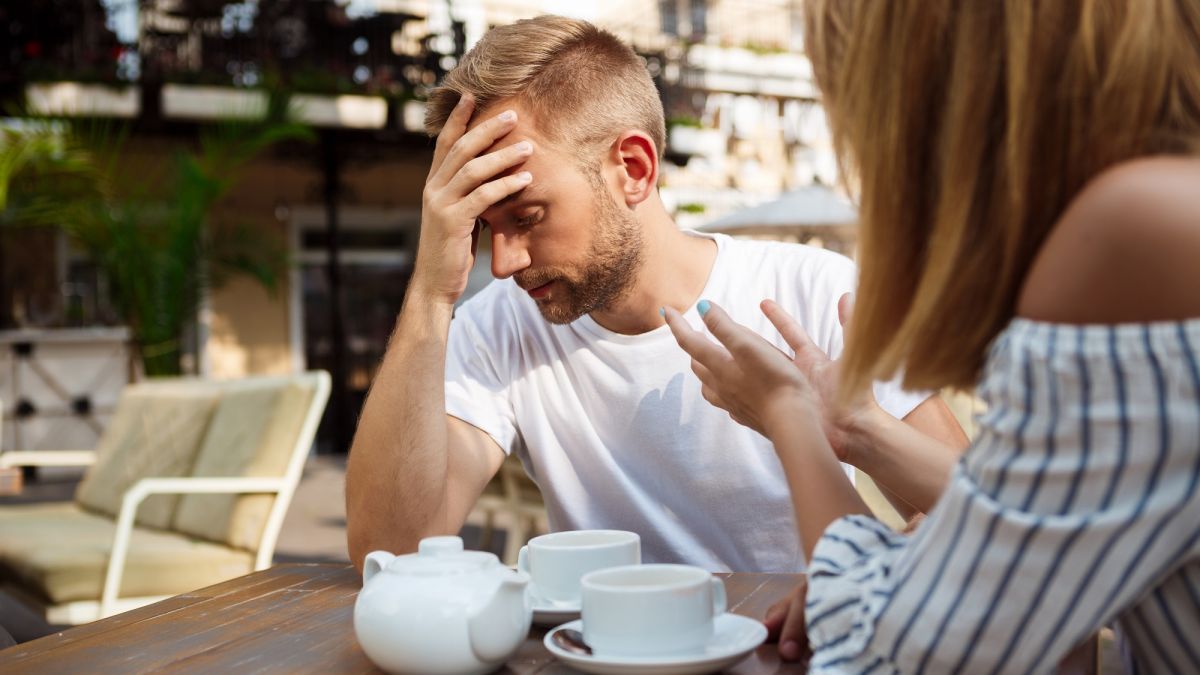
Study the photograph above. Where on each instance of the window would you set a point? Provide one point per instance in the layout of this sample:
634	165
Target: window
699	18
670	16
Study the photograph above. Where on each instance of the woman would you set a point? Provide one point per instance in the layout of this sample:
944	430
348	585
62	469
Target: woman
1029	178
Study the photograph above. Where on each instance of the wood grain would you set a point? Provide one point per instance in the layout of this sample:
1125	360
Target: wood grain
294	618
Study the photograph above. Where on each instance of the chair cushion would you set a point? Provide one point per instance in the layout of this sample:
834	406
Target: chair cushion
154	432
253	433
60	552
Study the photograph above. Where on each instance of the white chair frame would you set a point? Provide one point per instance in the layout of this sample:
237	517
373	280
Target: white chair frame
283	488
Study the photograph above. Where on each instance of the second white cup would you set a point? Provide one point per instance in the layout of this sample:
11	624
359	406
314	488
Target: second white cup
557	561
650	610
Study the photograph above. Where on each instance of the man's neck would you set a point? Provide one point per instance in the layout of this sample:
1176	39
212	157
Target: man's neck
674	270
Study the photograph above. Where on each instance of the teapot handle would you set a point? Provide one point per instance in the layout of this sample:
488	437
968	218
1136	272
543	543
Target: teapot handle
375	563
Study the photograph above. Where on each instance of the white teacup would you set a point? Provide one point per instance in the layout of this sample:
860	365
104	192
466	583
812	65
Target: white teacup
557	561
650	610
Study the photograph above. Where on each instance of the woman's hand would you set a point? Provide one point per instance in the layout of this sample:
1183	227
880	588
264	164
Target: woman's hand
745	375
768	391
785	625
817	372
844	423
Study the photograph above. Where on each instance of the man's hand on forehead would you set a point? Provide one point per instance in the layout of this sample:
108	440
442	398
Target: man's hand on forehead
464	170
465	180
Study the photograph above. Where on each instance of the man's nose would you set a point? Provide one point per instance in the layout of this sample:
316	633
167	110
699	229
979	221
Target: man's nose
509	254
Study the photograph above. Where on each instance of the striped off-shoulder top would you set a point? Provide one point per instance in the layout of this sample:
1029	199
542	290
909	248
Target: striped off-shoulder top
1077	506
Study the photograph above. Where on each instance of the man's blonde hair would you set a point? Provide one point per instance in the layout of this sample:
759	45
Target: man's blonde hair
582	84
968	126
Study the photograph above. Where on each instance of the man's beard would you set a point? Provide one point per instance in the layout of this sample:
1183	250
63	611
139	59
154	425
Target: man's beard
611	264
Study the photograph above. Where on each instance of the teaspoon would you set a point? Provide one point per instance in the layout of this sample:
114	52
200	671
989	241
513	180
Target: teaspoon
572	641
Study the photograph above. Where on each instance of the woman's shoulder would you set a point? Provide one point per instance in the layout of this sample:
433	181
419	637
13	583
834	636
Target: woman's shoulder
1127	249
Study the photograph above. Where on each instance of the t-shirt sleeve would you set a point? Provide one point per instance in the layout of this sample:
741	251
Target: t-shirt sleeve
896	400
478	381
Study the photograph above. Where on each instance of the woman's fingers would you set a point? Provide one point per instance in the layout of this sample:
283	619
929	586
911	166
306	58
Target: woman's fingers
775	617
778	612
845	308
793	334
793	637
710	394
733	335
700	348
703	373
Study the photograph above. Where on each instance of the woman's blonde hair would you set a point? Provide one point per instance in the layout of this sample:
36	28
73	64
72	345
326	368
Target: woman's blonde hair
966	126
582	84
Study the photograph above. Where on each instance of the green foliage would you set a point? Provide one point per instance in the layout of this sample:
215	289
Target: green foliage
154	240
691	207
684	121
31	147
764	48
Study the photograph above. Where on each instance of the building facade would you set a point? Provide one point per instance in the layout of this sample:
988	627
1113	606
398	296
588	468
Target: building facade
744	125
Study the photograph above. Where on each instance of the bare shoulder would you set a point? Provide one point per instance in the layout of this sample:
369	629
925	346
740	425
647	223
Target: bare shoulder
1127	249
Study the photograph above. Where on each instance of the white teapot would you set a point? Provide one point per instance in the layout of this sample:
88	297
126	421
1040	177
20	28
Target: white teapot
441	610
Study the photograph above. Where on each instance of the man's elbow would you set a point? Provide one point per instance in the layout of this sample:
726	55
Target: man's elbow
365	534
363	540
356	548
358	537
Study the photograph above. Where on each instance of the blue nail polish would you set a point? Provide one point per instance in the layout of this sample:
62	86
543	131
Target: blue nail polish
703	306
662	311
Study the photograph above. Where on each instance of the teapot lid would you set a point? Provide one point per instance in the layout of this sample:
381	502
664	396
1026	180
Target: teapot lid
443	556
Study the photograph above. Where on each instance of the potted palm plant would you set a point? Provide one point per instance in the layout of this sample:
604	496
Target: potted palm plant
156	242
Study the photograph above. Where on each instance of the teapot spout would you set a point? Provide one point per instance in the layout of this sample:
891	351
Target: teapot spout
502	624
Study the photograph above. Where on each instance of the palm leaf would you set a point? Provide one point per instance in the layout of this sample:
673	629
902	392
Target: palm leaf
155	242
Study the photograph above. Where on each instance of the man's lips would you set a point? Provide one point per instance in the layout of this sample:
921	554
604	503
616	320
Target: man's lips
541	291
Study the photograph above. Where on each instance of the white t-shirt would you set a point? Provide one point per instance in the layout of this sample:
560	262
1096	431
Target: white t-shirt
613	427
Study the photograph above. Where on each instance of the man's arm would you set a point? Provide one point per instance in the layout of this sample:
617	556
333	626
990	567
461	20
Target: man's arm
413	470
911	469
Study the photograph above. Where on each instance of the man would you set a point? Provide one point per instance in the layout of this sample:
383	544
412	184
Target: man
550	133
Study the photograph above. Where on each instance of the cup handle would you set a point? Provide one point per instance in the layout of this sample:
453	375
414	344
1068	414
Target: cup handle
718	587
523	559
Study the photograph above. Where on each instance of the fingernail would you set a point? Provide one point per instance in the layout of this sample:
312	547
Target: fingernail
790	650
524	177
524	147
703	306
508	116
464	99
662	311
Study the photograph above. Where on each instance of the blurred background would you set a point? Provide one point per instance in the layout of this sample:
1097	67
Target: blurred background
293	129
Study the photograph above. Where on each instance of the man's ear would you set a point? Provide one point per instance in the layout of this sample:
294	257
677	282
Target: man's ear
636	159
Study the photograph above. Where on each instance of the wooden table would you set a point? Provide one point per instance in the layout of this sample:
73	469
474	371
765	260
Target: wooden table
293	618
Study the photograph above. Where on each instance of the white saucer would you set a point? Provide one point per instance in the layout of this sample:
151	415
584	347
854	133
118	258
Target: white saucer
734	637
552	613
